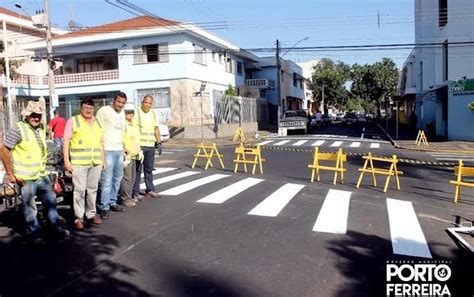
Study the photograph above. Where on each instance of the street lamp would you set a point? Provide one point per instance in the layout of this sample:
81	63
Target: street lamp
294	45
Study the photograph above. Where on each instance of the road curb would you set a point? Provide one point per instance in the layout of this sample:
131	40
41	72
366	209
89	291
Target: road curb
394	143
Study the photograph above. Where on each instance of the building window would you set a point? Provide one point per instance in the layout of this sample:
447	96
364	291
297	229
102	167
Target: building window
443	12
239	68
199	54
295	80
301	84
214	54
161	96
90	64
228	65
421	76
150	53
445	60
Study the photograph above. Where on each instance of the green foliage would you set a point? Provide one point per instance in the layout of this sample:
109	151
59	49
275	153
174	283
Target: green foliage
353	104
230	91
14	64
375	83
332	77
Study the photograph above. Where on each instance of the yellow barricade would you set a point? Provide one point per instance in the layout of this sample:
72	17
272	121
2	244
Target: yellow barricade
460	172
207	151
421	138
239	135
248	156
338	168
392	171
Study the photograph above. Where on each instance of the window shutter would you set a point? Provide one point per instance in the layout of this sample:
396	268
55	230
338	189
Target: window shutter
137	54
164	52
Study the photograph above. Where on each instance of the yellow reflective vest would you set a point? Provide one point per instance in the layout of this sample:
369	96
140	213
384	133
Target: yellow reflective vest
147	123
29	160
86	142
131	139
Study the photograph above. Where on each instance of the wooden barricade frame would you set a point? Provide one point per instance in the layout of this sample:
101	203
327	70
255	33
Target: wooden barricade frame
242	157
208	151
460	171
421	138
338	168
239	135
392	171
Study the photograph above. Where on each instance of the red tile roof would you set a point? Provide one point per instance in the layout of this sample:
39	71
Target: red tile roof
14	14
137	23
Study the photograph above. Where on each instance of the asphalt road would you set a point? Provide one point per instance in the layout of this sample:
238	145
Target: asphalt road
231	243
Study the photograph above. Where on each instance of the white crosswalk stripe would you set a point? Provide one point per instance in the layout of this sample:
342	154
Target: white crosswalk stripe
173	177
375	145
282	142
454	157
273	204
405	230
161	170
336	144
333	215
355	144
299	143
193	184
230	191
265	142
318	143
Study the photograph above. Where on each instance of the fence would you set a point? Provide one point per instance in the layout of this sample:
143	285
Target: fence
226	110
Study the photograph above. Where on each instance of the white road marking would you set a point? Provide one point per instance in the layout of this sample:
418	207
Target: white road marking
173	177
282	142
375	145
405	230
193	184
298	143
265	142
318	143
273	204
230	191
333	215
355	144
161	170
336	144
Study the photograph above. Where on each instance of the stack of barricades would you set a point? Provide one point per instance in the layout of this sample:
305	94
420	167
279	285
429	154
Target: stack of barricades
421	138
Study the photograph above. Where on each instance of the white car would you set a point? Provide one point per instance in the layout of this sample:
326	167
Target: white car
164	132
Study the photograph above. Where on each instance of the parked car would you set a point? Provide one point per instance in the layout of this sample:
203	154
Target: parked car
339	116
295	120
326	119
350	118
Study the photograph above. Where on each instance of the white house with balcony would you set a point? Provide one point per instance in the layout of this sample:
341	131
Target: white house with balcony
444	67
310	103
167	59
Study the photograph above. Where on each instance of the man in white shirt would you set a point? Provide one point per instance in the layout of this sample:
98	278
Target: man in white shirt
112	119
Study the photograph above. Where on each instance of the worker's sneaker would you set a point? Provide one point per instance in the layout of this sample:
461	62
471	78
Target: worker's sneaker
95	220
152	194
79	225
129	203
116	208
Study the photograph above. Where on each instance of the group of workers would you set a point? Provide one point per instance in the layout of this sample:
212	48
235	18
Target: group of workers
110	148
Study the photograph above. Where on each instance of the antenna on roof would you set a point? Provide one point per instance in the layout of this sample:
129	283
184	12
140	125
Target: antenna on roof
73	26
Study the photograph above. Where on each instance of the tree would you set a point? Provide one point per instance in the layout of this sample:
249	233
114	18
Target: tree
374	83
332	77
230	91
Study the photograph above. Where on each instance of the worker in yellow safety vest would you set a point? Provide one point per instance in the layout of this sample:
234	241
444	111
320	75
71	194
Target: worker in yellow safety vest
24	154
145	118
83	156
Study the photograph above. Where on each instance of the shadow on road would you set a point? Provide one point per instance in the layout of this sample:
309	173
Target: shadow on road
363	263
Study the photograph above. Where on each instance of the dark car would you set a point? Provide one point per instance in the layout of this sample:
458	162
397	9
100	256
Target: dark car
326	119
350	118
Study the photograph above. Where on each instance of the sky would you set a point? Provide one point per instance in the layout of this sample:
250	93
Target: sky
257	24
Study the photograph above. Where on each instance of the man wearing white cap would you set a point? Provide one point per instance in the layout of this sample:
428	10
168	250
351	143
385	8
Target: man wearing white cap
25	144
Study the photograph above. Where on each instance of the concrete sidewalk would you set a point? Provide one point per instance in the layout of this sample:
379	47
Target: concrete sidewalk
222	141
464	147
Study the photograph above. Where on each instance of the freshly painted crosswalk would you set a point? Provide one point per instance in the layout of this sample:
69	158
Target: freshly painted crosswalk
332	217
453	157
405	230
321	142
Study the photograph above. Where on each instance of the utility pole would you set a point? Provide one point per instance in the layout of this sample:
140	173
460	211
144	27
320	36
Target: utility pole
50	59
321	107
278	85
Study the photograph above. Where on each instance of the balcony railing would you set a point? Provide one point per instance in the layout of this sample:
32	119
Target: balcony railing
260	83
75	78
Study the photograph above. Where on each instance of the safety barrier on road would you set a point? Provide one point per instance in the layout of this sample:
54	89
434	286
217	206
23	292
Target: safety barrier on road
208	151
244	156
338	168
462	171
239	135
421	138
392	171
